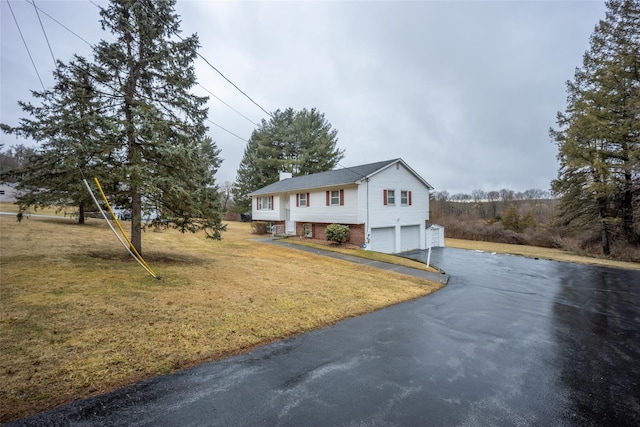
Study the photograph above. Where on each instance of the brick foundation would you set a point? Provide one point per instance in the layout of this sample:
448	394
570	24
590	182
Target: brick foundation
319	231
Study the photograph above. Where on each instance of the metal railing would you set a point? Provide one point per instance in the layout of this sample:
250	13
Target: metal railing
277	230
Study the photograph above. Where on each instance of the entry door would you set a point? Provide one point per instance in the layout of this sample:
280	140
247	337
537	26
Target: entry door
290	226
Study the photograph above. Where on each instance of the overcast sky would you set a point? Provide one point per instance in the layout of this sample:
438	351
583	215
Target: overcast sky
464	92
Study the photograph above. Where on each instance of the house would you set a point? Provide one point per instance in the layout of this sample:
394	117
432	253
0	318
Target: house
385	205
8	192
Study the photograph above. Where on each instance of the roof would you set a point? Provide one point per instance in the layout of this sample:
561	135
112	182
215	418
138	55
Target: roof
331	178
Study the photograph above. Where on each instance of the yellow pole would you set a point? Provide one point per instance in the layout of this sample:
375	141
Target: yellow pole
120	227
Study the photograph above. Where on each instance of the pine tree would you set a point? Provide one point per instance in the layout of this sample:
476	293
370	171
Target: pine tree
300	142
145	76
511	219
74	140
248	177
598	135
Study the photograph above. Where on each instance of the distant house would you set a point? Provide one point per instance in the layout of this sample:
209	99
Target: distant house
385	205
8	193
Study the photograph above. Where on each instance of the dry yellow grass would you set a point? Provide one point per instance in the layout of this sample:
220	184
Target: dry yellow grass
361	253
80	317
537	252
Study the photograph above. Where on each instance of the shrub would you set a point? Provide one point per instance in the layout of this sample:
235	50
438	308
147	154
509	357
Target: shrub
511	219
528	221
259	227
544	238
337	233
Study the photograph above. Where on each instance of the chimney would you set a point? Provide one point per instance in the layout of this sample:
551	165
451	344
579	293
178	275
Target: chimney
285	175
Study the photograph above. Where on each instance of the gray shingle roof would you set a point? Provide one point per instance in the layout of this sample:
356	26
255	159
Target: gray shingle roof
331	178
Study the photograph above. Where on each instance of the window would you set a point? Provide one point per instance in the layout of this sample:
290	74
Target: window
302	199
335	198
389	197
405	198
308	230
265	203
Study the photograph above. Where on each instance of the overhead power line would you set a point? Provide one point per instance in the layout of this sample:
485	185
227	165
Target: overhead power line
226	130
217	71
232	83
58	22
239	113
45	33
25	44
32	2
215	96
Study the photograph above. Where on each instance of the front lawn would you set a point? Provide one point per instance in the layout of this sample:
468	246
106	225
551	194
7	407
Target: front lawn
79	317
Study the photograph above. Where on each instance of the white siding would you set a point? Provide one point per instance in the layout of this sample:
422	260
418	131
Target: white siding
318	211
364	204
275	214
435	236
397	178
8	193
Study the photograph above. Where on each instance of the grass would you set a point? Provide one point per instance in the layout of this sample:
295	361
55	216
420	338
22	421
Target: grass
361	253
79	317
538	252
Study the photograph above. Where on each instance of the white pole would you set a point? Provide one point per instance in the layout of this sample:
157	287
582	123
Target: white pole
430	240
104	215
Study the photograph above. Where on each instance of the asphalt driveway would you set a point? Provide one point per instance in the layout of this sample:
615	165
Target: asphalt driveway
509	341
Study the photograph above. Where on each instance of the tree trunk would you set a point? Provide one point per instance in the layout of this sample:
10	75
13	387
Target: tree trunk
81	213
627	210
605	237
136	219
604	231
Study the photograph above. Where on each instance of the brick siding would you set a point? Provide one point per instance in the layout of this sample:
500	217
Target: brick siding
356	232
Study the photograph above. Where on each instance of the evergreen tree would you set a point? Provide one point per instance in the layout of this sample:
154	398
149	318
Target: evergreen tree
317	143
129	119
598	134
73	136
145	76
248	177
300	142
511	219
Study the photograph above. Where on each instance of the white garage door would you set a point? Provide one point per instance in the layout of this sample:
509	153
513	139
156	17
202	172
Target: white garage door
383	239
409	237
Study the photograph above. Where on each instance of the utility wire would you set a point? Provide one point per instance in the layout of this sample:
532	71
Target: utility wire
226	130
217	71
25	45
58	22
45	33
216	97
232	83
32	2
55	63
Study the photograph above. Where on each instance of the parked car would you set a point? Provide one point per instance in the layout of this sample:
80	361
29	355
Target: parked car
245	217
122	214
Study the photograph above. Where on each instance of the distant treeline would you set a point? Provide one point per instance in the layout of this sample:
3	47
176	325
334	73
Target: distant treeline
525	218
490	204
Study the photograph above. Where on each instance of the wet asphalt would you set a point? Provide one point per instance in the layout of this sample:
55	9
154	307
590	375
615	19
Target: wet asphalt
509	341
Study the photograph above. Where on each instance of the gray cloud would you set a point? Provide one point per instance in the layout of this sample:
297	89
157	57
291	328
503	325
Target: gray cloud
463	91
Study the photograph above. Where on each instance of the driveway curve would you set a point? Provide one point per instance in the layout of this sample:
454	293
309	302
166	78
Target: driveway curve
509	341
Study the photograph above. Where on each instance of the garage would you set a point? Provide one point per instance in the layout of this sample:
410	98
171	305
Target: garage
383	239
435	236
409	237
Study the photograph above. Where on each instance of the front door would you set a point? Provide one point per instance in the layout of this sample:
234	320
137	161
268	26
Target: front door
290	226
